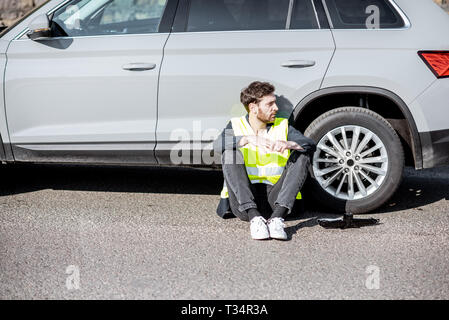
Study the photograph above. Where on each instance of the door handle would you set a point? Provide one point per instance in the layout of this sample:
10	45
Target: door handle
138	66
298	63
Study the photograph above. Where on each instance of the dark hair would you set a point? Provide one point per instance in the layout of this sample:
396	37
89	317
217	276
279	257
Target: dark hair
255	92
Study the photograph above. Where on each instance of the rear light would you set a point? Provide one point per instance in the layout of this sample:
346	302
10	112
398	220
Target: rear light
437	61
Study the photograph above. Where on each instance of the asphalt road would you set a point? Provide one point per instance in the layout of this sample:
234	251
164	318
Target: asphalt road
71	232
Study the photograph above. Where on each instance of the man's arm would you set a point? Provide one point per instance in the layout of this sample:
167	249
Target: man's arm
226	140
307	144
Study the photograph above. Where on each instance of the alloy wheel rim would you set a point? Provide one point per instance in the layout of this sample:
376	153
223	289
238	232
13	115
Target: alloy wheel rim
350	163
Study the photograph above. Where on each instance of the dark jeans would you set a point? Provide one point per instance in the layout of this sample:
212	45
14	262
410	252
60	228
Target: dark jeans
244	195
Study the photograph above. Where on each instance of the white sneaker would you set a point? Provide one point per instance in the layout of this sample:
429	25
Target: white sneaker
276	229
258	227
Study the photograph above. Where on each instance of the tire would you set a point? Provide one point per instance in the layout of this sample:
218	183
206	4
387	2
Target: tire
359	177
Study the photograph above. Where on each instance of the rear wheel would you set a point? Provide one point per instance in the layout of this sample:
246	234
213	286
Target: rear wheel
359	159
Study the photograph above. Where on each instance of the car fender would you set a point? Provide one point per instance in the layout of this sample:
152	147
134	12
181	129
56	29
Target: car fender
416	142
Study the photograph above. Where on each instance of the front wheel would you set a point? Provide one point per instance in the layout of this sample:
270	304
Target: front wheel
359	159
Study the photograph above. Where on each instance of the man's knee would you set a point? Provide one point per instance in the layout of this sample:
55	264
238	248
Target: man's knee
299	159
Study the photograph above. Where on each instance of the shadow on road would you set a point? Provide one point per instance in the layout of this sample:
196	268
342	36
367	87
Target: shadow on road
418	188
23	178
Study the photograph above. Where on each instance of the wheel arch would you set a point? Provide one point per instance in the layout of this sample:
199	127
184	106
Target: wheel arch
397	113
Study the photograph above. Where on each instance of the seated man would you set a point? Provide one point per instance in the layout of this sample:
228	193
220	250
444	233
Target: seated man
264	160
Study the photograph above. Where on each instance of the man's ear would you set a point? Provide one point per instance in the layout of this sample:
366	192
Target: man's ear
252	108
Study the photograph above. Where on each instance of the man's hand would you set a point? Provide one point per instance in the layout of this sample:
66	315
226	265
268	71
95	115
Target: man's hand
257	141
275	146
294	146
280	146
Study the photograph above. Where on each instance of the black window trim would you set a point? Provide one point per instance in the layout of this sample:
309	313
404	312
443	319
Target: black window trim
182	14
319	15
168	16
316	13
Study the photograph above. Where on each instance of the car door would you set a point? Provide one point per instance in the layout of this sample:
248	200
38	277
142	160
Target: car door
216	48
88	94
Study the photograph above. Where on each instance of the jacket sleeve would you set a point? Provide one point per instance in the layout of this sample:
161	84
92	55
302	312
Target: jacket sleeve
306	143
226	140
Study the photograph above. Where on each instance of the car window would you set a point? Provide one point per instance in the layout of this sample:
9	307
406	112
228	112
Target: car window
304	15
363	14
103	17
225	15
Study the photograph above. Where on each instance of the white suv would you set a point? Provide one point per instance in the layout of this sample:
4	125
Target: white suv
142	81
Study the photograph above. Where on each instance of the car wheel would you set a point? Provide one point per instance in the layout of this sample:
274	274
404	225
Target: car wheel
359	160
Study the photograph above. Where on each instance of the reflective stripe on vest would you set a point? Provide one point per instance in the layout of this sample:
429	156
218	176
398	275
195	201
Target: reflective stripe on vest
264	171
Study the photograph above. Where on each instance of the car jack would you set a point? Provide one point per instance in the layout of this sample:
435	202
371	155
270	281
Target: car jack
347	221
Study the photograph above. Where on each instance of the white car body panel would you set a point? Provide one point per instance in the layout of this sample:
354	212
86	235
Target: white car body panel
388	58
204	72
81	94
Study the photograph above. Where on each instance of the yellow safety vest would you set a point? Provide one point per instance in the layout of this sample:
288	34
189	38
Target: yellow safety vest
262	166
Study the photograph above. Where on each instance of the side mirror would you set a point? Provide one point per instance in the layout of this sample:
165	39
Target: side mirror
39	28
